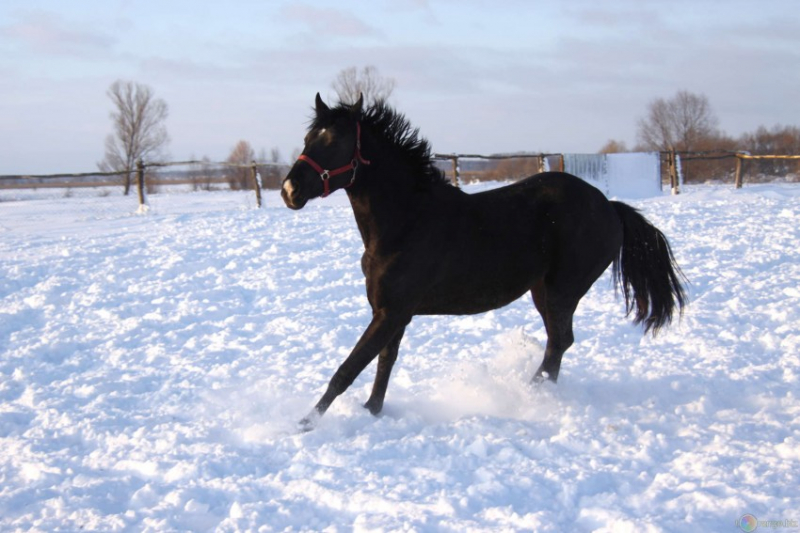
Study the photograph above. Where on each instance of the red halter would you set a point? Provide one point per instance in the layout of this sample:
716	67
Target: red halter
326	175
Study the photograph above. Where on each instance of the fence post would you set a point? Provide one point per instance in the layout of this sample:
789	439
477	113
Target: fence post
738	177
256	185
668	157
455	170
140	184
672	167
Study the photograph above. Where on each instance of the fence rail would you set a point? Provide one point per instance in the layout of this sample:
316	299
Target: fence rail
140	169
123	172
670	159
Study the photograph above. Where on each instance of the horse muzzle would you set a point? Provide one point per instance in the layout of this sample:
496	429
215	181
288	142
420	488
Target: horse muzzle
292	196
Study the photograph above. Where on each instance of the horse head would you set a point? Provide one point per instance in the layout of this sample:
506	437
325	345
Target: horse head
331	155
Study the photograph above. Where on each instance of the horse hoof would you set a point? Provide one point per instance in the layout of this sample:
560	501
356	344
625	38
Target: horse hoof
309	422
374	408
544	377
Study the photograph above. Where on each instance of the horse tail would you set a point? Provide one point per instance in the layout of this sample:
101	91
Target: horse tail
646	271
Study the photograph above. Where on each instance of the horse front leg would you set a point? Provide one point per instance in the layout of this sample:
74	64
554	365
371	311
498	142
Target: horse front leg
385	363
382	329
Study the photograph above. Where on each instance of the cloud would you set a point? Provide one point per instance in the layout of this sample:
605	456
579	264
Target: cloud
328	22
48	33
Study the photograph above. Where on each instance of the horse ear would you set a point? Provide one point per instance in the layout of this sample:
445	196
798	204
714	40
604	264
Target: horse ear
359	104
322	109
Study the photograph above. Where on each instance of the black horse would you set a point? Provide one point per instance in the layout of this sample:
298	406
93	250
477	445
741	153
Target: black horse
432	249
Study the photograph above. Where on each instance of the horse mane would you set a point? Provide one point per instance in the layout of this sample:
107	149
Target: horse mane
397	131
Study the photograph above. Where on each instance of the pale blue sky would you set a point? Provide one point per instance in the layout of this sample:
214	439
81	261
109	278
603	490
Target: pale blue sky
474	76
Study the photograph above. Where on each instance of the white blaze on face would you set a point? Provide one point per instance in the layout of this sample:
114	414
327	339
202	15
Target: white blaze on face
287	187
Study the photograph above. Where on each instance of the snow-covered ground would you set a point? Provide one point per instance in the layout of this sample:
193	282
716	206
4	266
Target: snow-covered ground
153	368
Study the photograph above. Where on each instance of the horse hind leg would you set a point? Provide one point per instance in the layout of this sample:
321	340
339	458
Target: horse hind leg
539	294
557	318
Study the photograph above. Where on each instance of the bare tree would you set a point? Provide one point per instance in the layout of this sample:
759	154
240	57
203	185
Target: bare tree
514	169
613	146
139	131
270	169
202	174
350	83
680	123
242	154
273	172
780	140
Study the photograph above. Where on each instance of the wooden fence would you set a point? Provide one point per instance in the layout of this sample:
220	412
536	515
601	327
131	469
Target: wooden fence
744	156
669	160
739	156
539	161
140	171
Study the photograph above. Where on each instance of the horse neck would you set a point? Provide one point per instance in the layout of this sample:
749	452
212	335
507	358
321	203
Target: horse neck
384	197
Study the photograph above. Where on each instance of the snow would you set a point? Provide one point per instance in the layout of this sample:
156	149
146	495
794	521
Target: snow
153	369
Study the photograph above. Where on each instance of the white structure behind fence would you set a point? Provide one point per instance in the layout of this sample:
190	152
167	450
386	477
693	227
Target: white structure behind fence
629	175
